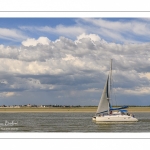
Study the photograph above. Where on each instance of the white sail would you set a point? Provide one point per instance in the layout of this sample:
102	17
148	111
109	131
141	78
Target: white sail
104	101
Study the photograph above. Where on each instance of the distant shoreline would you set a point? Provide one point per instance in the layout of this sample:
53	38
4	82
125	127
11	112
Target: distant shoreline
59	110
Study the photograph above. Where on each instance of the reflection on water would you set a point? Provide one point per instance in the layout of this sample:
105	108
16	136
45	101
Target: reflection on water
116	126
69	122
113	123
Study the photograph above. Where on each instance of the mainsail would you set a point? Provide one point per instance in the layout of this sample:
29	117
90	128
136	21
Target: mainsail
104	101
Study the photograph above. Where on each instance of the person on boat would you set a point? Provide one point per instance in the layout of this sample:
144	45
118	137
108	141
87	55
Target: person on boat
110	112
122	113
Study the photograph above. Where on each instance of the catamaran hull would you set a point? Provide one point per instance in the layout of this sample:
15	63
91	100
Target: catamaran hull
119	118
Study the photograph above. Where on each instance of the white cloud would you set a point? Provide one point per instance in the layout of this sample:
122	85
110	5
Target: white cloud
146	75
63	30
69	31
12	34
123	26
92	90
8	94
93	37
136	91
74	67
64	54
32	68
122	30
34	42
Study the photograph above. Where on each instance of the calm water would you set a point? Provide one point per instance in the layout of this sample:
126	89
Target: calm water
68	122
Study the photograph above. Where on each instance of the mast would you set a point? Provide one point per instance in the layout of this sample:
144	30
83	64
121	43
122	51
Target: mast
110	85
110	94
111	69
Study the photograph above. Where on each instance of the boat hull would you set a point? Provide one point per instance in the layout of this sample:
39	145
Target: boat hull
115	118
94	118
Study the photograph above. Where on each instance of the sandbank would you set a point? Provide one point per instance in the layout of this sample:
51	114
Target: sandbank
59	110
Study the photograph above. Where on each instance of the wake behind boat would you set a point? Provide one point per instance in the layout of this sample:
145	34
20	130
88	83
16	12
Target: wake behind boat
105	112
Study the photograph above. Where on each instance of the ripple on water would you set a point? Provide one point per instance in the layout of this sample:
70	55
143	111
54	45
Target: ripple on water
72	122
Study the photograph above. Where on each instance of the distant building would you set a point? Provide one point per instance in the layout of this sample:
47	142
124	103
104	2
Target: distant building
16	106
29	105
33	105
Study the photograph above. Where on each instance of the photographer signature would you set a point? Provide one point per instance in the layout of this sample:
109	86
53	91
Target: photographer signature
9	123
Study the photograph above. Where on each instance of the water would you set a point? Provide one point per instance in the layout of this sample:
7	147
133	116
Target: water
68	122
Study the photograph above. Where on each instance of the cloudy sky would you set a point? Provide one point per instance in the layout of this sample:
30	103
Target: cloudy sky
65	61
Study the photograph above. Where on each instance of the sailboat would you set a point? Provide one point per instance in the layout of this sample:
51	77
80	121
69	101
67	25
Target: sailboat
105	112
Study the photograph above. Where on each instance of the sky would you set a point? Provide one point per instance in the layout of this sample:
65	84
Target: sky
65	61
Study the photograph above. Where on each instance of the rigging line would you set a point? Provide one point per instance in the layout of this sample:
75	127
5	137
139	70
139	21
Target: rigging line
113	92
111	83
115	99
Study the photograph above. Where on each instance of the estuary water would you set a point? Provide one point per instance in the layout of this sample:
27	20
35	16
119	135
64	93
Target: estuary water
68	122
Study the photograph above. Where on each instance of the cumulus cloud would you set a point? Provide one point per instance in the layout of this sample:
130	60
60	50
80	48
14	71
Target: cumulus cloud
74	66
93	37
34	42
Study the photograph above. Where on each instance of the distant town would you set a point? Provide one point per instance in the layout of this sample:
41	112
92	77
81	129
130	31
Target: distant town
39	106
48	106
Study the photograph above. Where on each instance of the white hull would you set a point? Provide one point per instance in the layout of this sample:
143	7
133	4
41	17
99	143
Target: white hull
94	118
114	118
